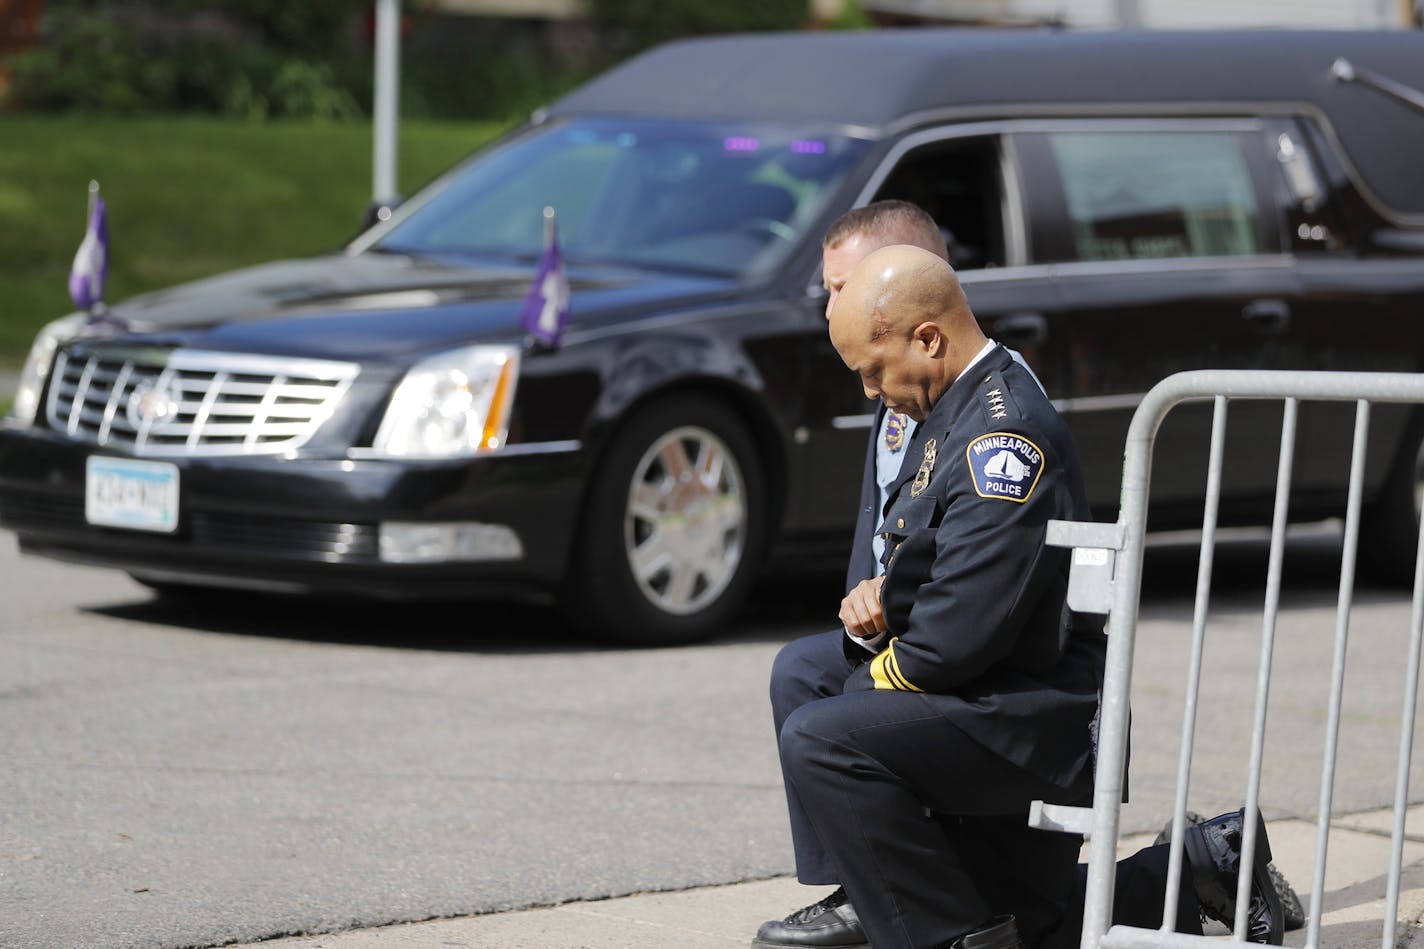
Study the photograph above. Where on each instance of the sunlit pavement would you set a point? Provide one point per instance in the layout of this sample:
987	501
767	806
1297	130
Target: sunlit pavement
717	917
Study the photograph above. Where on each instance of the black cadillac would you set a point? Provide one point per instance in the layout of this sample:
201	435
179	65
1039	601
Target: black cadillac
1120	206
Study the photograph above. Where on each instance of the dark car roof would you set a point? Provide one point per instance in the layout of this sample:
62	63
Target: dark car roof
884	78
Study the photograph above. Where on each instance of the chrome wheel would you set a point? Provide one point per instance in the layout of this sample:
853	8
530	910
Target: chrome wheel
685	528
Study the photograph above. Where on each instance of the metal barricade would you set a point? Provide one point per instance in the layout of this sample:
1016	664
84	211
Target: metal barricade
1106	578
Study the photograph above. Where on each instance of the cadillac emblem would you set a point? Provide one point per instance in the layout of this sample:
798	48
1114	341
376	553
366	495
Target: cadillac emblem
150	404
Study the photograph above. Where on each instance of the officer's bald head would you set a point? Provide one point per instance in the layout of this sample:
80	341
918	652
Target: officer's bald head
903	323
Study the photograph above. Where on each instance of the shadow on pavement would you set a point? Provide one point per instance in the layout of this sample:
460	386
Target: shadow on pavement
492	626
780	608
777	611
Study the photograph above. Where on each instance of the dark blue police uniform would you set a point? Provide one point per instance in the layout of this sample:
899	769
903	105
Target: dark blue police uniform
983	699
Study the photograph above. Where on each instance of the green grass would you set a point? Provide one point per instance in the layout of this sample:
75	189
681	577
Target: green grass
187	197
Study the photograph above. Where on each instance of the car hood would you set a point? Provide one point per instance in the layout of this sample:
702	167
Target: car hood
383	306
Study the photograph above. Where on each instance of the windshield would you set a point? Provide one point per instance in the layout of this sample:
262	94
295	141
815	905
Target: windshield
695	196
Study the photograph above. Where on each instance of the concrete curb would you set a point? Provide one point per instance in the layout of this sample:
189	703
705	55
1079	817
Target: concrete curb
725	916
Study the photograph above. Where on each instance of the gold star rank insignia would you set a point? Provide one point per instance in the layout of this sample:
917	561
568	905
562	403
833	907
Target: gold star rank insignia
922	477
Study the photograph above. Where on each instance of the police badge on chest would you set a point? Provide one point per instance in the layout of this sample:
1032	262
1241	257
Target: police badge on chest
894	431
922	477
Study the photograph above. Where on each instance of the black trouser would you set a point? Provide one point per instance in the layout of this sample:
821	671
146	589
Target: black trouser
1012	868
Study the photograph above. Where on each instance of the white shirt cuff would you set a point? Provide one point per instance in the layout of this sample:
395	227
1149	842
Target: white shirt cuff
871	645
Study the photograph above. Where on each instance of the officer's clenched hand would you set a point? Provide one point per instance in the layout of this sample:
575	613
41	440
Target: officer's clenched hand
861	612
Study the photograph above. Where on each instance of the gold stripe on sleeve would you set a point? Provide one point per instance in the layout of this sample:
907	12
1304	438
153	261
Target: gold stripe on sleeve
877	671
885	672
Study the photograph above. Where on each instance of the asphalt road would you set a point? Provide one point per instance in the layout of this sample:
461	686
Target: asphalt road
238	768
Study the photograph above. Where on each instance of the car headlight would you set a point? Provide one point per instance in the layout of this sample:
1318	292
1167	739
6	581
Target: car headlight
38	362
456	403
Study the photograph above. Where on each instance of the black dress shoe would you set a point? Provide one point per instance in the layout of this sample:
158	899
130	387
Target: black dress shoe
1214	849
1292	912
830	923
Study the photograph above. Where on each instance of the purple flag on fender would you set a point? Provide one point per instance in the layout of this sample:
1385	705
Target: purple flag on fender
546	309
91	261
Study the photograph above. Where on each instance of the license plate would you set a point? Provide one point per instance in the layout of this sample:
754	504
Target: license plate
137	495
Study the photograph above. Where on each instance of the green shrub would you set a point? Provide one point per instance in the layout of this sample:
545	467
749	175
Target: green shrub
265	59
481	84
85	65
90	62
286	65
305	28
852	16
298	90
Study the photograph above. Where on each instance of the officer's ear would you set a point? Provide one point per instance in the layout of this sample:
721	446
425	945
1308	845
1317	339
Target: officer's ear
929	337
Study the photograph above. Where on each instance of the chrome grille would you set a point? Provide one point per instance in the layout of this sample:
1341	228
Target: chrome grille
188	402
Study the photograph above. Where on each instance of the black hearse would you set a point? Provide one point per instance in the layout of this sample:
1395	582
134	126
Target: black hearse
1121	205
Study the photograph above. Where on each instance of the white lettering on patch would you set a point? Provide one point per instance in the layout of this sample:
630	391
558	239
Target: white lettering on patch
1004	466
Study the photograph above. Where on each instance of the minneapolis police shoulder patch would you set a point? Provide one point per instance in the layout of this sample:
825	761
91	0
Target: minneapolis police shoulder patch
1005	466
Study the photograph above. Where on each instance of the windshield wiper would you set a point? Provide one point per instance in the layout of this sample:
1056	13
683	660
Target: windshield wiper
450	254
500	255
1342	70
655	266
394	250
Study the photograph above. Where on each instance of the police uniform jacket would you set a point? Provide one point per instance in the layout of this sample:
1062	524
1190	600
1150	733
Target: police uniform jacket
974	599
861	565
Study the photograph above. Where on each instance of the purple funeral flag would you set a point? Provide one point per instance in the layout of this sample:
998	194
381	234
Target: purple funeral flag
91	261
546	309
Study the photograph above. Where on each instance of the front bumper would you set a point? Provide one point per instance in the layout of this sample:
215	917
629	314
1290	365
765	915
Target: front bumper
306	524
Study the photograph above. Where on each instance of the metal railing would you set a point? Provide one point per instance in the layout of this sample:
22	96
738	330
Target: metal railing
1106	578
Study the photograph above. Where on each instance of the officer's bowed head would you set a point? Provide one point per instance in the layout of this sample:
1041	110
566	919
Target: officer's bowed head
902	322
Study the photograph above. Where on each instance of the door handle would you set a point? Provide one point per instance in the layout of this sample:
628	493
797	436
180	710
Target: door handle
1021	329
1269	316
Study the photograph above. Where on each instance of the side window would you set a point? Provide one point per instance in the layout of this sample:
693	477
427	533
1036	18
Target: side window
959	184
1139	194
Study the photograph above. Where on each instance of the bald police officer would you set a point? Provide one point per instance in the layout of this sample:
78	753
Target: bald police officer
817	666
1002	766
982	693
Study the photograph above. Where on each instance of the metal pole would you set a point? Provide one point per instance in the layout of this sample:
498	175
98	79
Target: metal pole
1189	712
1406	744
383	165
1337	686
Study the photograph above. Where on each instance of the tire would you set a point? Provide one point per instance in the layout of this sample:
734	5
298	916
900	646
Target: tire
1389	532
675	528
